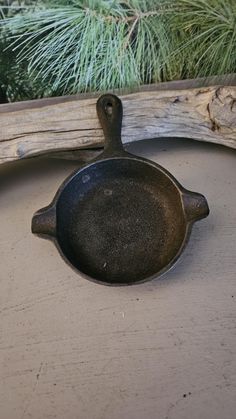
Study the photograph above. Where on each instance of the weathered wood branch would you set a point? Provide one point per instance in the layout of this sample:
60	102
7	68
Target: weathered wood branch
67	123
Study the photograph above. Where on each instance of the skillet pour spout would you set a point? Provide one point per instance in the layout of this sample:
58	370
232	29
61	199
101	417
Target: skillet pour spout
195	206
44	221
120	219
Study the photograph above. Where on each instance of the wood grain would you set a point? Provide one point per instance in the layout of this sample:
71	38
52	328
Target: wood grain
70	123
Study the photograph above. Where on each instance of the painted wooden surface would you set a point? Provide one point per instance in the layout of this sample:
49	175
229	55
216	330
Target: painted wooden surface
162	350
175	109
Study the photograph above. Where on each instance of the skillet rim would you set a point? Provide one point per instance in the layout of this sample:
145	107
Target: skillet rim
121	156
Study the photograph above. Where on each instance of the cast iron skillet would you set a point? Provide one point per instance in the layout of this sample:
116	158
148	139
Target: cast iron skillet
120	219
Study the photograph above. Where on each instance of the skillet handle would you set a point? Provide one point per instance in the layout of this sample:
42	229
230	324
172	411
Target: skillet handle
110	113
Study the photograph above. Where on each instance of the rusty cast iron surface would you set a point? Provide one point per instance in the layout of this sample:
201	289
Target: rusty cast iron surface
121	219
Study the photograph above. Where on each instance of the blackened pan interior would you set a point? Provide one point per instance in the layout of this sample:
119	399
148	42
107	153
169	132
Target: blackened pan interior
120	221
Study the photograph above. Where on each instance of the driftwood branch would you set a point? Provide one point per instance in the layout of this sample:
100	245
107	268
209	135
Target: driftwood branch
178	109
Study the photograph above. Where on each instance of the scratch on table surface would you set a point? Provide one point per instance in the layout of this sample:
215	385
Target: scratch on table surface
176	403
104	367
33	391
197	392
27	304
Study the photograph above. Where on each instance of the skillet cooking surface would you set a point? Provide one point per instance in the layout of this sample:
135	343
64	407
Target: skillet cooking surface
120	220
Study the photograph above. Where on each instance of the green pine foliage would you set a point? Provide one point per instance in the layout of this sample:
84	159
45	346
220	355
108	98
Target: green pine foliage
15	80
72	46
209	36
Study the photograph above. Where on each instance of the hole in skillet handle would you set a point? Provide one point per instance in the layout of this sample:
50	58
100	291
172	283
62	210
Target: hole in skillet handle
108	108
110	114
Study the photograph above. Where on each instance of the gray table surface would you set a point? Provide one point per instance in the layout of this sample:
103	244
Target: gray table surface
72	349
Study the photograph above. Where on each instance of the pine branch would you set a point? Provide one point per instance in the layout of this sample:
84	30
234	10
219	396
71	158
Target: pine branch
76	49
78	46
